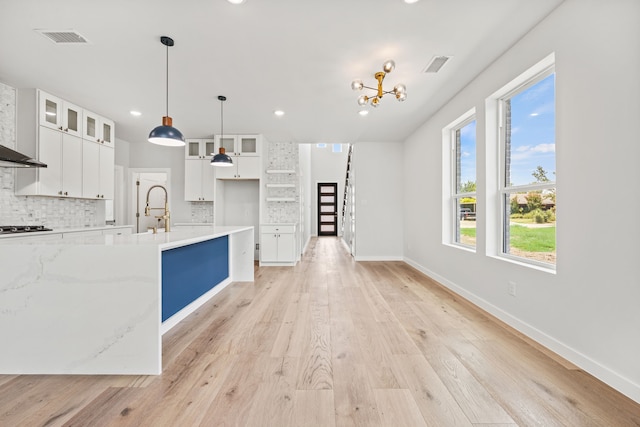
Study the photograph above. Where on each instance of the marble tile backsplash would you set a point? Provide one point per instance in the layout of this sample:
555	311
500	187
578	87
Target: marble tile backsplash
283	156
34	210
201	212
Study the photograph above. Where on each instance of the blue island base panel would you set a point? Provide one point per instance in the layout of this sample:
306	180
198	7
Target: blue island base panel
190	271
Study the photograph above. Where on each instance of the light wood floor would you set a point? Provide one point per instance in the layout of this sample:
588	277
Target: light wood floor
331	342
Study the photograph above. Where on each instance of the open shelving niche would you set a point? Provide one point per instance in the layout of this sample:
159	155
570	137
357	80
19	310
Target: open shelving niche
281	185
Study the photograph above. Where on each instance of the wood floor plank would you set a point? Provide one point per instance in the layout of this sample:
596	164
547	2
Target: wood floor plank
375	350
474	399
233	402
273	404
436	403
313	408
316	372
398	408
354	400
517	399
185	399
291	333
331	342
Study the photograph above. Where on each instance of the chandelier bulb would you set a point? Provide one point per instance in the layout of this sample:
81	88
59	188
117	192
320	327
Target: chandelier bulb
399	88
401	96
357	85
362	100
375	102
388	66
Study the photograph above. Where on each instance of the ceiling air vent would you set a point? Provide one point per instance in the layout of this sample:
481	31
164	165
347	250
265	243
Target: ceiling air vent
436	63
63	37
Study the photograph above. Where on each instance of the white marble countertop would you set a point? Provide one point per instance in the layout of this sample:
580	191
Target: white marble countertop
64	230
175	238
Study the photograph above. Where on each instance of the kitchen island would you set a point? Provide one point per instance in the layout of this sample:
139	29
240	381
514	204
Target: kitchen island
100	304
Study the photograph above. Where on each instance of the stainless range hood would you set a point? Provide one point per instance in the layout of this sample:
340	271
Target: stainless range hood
12	159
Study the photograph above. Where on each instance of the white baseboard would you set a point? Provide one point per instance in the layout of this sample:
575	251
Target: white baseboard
379	258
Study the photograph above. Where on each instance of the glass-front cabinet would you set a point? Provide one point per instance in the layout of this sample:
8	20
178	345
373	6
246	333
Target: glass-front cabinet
97	128
239	145
200	148
248	145
58	114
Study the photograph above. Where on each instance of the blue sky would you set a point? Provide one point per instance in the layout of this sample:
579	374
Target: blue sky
532	135
533	132
468	153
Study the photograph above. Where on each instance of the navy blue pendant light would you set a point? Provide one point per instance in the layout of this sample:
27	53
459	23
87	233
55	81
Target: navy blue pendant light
166	134
221	159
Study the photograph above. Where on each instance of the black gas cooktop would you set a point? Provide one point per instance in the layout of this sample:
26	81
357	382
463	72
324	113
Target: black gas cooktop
13	229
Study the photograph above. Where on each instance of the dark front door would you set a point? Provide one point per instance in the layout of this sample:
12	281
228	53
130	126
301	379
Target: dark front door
327	209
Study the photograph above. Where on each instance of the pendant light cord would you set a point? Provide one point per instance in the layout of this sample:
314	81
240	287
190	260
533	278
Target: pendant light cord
221	119
167	91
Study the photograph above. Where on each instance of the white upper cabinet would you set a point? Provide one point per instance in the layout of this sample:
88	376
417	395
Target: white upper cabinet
200	149
58	133
244	151
58	114
199	180
240	145
98	171
63	155
97	128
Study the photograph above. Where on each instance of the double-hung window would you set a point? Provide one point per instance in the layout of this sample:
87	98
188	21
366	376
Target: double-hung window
461	137
527	186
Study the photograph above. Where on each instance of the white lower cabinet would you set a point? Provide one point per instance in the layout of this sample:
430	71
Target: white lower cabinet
118	231
278	244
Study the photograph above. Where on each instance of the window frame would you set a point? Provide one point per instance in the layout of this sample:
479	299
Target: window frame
452	213
533	76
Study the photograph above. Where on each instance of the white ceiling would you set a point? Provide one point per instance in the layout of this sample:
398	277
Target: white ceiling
296	55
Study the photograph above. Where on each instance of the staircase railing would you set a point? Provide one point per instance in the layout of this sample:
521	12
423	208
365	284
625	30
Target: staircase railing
346	186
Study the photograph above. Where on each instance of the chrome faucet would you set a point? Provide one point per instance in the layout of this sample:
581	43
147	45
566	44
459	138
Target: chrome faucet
167	215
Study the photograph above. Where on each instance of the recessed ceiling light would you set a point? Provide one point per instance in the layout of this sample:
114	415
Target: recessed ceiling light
363	112
411	1
236	1
279	113
135	113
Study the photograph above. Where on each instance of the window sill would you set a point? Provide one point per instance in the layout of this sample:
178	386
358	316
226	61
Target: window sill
545	268
465	248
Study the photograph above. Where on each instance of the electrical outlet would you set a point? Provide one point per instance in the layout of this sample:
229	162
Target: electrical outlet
511	288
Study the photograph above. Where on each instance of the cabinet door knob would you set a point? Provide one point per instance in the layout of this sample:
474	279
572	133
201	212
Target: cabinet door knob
66	129
66	193
60	192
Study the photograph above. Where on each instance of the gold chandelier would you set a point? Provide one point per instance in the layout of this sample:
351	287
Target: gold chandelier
399	90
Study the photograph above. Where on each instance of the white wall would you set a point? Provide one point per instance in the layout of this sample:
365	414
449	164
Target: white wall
147	155
238	203
379	199
327	166
304	152
589	311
